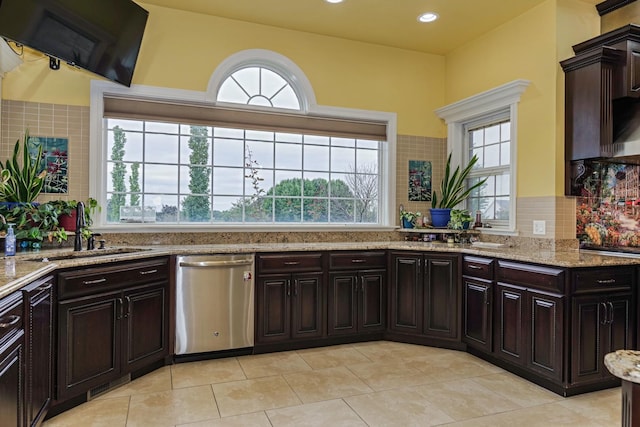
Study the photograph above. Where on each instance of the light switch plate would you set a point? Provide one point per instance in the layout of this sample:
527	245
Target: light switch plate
539	227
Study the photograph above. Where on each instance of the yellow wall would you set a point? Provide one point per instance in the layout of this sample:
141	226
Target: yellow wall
526	48
182	49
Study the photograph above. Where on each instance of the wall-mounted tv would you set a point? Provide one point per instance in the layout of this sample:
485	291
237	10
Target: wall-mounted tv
101	36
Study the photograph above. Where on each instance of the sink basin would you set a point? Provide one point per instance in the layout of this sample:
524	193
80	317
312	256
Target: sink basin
89	254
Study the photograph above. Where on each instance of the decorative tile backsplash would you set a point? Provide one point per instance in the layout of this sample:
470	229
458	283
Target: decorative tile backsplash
608	208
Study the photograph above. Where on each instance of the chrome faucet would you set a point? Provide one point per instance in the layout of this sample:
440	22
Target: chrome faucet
80	224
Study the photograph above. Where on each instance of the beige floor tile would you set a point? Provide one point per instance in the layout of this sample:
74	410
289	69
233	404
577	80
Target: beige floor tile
206	372
604	406
332	357
158	380
334	413
550	415
401	407
257	419
172	407
450	366
518	390
325	384
264	365
387	375
384	351
97	413
463	399
243	397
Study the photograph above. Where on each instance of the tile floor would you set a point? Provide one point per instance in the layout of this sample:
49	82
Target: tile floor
364	384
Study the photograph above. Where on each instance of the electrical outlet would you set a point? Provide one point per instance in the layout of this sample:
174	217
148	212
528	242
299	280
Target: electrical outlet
539	227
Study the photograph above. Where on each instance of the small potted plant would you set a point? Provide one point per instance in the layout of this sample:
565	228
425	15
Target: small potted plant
67	212
453	190
460	219
409	218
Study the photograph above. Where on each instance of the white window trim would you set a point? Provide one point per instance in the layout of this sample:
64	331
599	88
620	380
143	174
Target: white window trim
98	151
458	114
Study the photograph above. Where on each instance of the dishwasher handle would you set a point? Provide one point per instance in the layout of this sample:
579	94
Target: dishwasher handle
214	264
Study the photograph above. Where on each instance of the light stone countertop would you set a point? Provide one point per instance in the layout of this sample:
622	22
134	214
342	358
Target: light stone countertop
18	271
624	364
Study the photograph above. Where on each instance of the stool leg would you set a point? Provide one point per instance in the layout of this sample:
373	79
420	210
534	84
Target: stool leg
630	404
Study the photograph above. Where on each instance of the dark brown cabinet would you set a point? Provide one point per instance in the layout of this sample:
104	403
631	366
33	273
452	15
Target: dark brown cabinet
477	285
290	293
112	321
12	358
424	295
356	298
602	321
38	304
529	317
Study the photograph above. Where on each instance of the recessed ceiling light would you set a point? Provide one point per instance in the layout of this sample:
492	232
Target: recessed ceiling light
428	17
334	1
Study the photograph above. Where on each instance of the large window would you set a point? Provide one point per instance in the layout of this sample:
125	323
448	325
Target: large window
260	153
485	125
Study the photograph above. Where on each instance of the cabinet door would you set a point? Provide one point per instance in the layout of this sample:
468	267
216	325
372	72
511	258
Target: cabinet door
589	316
477	313
509	323
273	308
619	334
441	296
144	324
371	307
11	381
342	303
89	342
38	298
307	305
406	293
546	334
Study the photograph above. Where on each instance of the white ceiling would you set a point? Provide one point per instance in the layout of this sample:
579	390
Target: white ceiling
385	22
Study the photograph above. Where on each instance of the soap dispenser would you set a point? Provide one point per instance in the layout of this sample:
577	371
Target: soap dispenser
10	241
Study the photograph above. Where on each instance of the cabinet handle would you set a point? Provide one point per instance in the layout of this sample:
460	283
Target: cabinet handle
288	288
295	288
604	318
358	261
607	281
474	267
45	287
610	304
120	308
94	282
142	273
127	312
9	321
291	262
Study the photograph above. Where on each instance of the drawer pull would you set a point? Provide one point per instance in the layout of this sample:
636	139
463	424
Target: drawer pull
607	281
11	320
474	267
94	282
358	261
45	287
291	262
142	273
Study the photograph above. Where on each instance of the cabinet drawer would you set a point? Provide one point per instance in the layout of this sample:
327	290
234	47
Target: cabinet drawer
478	267
595	280
289	263
87	281
529	275
357	260
11	316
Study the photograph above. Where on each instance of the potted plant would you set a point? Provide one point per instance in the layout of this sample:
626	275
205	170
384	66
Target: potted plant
460	219
67	212
452	192
22	181
409	218
34	223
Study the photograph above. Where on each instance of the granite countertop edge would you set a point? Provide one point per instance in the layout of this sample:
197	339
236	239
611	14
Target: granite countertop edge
20	270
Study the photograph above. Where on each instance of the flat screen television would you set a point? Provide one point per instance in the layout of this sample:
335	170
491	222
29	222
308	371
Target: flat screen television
100	36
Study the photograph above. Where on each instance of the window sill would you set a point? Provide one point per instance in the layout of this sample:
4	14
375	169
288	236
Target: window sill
234	228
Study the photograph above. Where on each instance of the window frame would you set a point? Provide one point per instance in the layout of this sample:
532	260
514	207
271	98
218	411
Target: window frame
98	150
501	101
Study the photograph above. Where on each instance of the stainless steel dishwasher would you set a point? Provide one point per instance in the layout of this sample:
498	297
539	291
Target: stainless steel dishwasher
214	303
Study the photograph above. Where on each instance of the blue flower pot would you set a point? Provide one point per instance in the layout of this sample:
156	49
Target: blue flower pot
406	223
440	217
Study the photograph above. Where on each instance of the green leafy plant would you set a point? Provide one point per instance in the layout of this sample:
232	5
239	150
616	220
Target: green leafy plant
68	207
34	222
410	216
22	181
458	219
452	187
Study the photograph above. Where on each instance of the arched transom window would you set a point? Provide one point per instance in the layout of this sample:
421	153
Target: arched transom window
258	86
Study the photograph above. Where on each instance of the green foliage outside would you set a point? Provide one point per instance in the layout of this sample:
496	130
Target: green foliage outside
196	207
117	175
134	184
